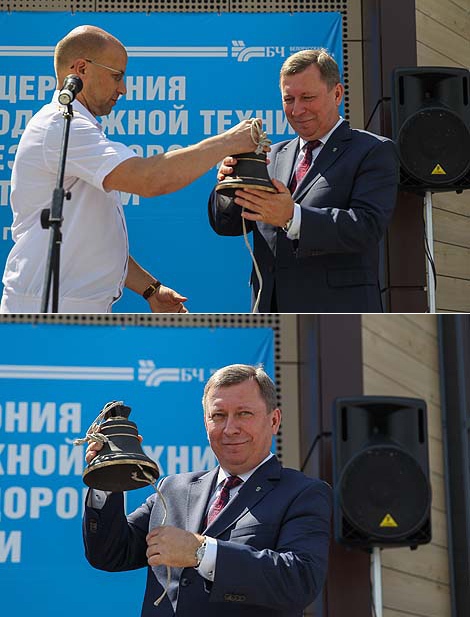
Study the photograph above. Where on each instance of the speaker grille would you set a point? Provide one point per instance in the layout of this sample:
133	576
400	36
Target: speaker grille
434	147
384	493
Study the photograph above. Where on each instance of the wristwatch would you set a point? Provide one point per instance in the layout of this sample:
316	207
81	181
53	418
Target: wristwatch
287	226
200	551
151	289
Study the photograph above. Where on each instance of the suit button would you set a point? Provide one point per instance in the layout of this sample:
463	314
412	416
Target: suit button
234	597
184	582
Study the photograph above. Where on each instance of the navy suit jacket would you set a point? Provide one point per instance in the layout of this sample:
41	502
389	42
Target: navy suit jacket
347	199
272	543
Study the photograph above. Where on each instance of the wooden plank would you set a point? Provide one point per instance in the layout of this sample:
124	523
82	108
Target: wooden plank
436	455
451	228
462	3
455	18
439	38
453	294
415	595
404	335
439	528
398	366
379	384
427	561
426	56
451	260
438	491
428	323
459	203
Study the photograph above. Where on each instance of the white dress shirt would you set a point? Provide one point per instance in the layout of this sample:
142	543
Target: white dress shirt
207	566
94	250
294	229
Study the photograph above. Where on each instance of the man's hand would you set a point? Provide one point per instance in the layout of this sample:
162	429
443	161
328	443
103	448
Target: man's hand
226	168
273	208
171	546
244	136
94	447
166	300
92	450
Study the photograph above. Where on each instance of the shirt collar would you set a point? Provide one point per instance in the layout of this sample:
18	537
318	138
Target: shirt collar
326	137
244	476
78	107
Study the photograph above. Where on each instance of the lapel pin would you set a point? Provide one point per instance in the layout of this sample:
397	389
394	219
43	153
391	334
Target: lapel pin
258	488
334	149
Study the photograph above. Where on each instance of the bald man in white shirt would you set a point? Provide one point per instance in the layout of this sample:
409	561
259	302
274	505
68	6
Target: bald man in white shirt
95	260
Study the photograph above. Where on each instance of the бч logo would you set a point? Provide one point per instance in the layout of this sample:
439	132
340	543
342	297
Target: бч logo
243	53
148	373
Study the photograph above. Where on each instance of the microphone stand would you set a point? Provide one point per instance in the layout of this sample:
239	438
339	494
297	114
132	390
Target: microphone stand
52	218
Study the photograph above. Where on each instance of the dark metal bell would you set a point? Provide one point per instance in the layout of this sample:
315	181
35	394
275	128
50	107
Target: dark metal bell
121	463
250	171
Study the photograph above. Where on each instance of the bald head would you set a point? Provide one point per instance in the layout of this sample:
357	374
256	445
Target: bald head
81	42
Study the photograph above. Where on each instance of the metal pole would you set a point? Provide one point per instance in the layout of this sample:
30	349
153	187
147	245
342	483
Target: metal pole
377	581
430	237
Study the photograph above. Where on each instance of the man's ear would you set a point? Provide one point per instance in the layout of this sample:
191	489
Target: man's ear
79	66
276	420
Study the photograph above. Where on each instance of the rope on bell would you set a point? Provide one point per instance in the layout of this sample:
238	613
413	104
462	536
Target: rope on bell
259	137
93	433
149	479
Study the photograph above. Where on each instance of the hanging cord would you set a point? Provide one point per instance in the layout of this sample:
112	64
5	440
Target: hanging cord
261	139
255	265
153	482
93	433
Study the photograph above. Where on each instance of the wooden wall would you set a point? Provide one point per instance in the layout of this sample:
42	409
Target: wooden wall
400	358
443	39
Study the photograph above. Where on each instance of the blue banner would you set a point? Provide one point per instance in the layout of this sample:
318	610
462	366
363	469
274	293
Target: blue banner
54	380
190	76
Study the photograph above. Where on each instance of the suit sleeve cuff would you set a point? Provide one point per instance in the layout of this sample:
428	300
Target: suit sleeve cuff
294	229
96	499
207	566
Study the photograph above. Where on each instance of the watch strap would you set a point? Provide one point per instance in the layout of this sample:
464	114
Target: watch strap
151	289
288	225
200	552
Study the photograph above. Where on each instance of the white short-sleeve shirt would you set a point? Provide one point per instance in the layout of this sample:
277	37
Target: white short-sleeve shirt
94	251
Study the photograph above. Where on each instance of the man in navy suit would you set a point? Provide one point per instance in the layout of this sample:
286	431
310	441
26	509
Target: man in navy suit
264	553
316	240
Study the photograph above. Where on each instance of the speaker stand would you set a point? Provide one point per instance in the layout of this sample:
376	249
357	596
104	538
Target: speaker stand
430	237
377	582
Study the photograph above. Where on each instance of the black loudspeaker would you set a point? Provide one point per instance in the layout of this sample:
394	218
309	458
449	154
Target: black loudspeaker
382	494
430	110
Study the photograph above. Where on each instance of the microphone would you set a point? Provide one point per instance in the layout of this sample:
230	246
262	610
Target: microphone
70	88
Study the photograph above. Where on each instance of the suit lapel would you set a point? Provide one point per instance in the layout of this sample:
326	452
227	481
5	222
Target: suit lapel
331	151
198	497
252	491
285	161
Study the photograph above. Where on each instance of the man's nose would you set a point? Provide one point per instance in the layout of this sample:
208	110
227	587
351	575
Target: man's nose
122	86
297	108
231	425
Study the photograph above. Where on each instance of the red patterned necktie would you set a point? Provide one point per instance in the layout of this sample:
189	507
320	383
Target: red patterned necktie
304	164
219	504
